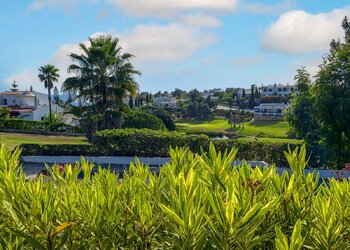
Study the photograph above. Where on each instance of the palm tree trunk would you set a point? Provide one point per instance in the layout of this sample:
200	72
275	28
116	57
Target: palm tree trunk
50	111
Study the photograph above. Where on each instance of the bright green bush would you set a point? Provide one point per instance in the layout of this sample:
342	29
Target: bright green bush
138	119
37	126
195	202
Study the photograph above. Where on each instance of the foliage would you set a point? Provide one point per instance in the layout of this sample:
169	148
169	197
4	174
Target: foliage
195	202
4	112
104	76
36	126
302	114
48	74
138	119
166	118
146	142
150	143
322	112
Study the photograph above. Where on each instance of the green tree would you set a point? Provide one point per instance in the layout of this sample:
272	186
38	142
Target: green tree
322	110
332	97
48	74
103	77
166	118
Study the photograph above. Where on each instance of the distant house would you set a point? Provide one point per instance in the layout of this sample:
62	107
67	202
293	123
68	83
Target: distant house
278	90
269	111
30	105
165	102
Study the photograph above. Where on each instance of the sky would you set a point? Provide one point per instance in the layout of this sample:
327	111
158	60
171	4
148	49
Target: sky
184	44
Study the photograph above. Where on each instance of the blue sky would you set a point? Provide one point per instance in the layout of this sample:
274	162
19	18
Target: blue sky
183	44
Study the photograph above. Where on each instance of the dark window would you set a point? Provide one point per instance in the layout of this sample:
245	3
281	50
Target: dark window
265	90
270	90
279	89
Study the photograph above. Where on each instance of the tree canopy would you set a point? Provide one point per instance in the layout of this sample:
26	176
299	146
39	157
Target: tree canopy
104	76
322	110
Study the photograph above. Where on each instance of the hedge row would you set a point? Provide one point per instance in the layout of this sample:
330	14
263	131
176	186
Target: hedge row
37	126
149	143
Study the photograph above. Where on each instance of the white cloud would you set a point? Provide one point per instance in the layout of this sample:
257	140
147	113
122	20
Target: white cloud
164	8
248	60
149	43
165	42
298	32
200	20
25	79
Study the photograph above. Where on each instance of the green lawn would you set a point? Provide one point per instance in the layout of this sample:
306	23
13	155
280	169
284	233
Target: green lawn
202	126
276	129
13	139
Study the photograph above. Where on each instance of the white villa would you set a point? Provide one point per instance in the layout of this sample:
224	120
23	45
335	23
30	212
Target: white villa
278	90
270	111
165	102
30	105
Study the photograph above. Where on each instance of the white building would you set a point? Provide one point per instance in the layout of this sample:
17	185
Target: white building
30	105
165	102
269	111
278	90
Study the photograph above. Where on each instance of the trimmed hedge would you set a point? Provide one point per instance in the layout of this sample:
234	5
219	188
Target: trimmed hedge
146	142
37	126
137	119
149	143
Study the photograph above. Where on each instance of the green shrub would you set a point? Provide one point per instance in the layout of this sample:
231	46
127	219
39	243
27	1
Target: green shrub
37	126
146	142
166	118
138	119
195	202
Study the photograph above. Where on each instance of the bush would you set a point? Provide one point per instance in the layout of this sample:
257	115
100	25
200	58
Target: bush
146	142
166	118
150	143
195	202
37	126
137	119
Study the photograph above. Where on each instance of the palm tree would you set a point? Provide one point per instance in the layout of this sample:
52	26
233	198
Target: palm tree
48	74
103	77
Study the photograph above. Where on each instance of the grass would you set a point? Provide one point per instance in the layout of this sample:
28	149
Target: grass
13	139
203	126
273	131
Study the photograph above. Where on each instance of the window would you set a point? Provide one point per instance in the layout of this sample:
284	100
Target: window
14	101
284	89
270	90
279	89
265	90
292	89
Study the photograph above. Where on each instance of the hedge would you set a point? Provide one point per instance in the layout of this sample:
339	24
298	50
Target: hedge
138	119
149	143
37	126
